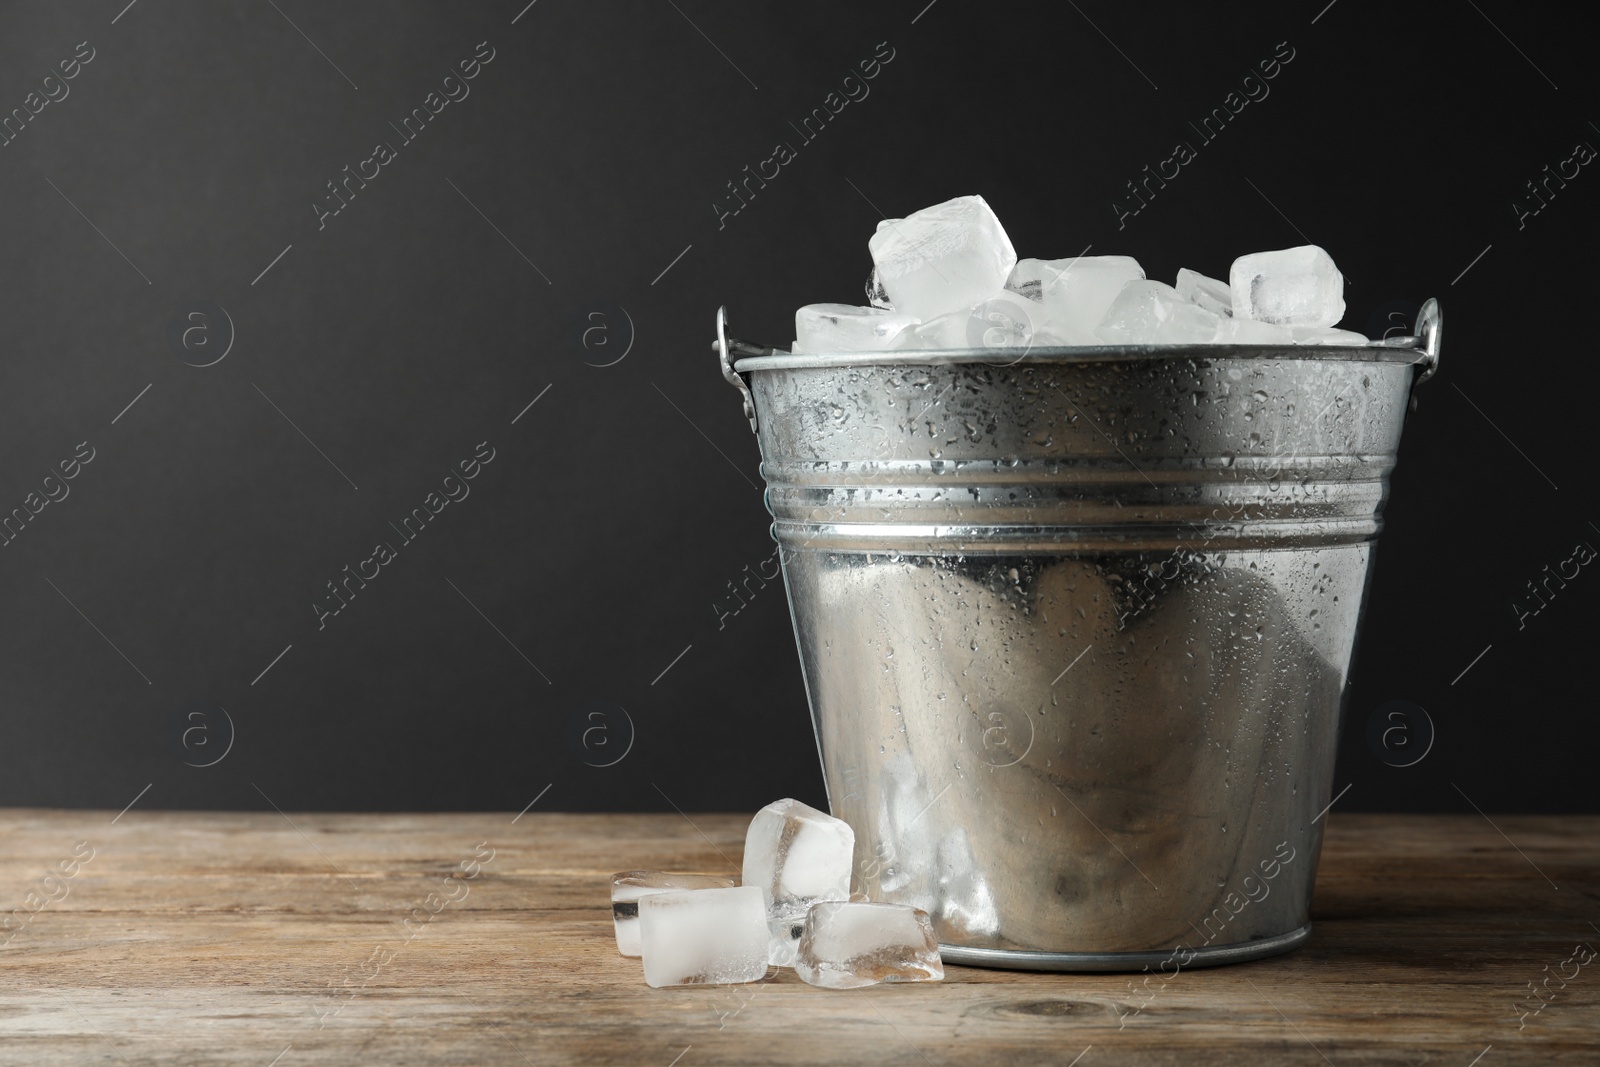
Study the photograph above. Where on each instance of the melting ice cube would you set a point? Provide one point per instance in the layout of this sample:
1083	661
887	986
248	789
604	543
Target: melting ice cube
942	258
1004	321
843	328
704	936
1251	332
1075	293
1208	293
628	886
797	856
1153	313
847	945
1296	287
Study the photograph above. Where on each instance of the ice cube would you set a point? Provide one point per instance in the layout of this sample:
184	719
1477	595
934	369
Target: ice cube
1152	313
1075	293
628	886
704	936
942	258
1329	336
842	328
1208	293
1004	321
877	295
797	856
1251	332
1027	278
1296	287
847	945
941	331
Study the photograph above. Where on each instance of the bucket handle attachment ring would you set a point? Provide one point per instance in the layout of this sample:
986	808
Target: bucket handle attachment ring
727	351
1430	332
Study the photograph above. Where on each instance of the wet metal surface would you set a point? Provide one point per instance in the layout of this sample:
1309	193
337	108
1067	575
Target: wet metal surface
1075	634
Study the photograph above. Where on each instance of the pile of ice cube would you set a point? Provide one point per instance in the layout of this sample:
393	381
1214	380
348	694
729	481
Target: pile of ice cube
947	277
793	909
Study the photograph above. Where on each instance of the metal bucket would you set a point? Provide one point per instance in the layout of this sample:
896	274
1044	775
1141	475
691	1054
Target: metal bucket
1075	626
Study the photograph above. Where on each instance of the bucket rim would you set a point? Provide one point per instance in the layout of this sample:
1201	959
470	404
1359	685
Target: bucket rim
1084	354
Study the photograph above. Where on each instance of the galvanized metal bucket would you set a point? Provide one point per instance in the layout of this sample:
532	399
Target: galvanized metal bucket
1075	626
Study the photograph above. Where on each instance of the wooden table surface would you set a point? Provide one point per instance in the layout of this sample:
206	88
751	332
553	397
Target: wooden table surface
235	938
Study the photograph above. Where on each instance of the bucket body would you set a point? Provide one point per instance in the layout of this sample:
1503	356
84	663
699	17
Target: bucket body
1075	630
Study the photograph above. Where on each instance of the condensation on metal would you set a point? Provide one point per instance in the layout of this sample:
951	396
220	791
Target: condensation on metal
1075	628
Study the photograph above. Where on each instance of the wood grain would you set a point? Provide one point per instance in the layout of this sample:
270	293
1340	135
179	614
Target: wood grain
227	938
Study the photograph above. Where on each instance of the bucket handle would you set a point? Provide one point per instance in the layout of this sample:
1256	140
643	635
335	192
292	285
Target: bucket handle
1430	332
1426	341
727	351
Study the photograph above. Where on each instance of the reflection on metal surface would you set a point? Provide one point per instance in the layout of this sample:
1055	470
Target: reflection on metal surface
1190	529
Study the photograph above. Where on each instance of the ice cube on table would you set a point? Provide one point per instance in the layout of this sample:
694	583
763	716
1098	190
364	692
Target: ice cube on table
846	945
1329	336
943	258
1296	287
628	887
1075	293
1251	332
1204	292
704	936
843	328
796	855
1152	313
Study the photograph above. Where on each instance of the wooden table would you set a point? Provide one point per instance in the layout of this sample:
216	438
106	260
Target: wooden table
188	938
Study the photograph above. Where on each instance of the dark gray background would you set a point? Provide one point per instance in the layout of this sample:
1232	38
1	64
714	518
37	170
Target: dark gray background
458	286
